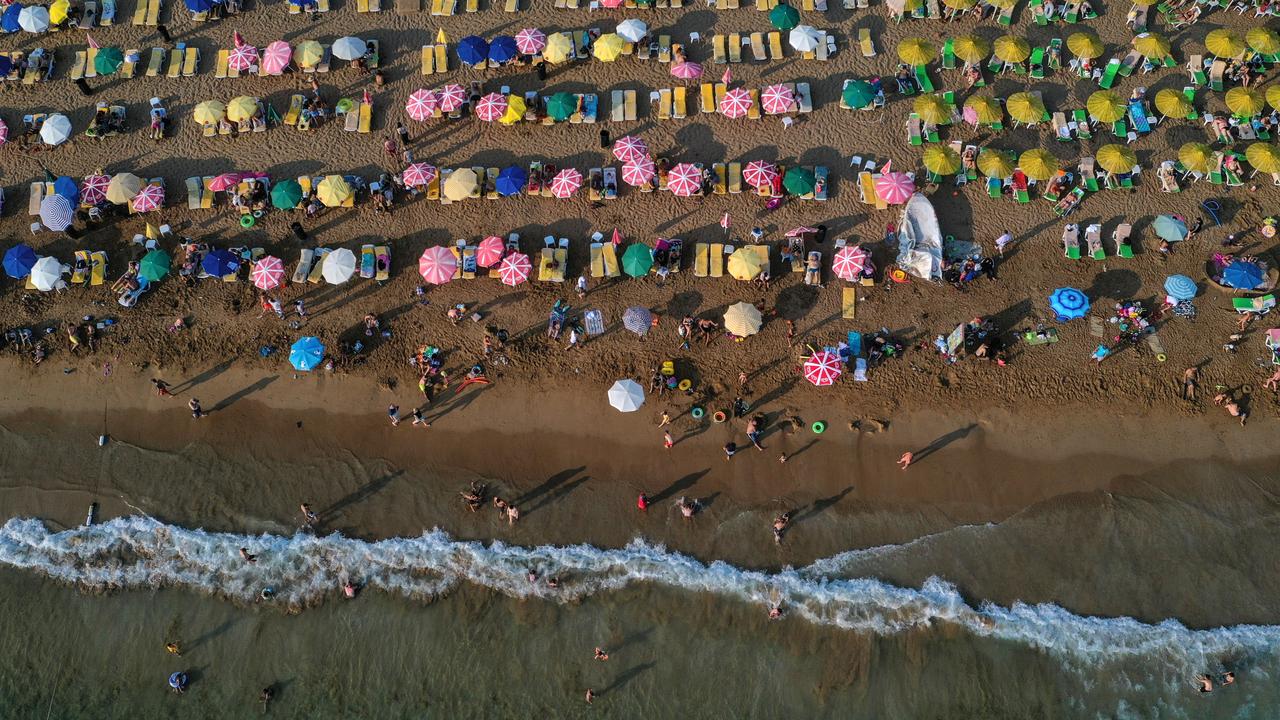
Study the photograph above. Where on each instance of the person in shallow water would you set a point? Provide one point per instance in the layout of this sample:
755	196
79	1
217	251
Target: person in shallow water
178	682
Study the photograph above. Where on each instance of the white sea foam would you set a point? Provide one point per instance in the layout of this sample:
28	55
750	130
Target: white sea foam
140	552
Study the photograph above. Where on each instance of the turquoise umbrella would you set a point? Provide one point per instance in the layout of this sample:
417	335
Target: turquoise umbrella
799	181
286	194
154	265
561	105
784	17
637	260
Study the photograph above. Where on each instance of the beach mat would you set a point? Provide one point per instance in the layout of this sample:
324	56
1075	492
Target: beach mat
593	321
848	303
1096	328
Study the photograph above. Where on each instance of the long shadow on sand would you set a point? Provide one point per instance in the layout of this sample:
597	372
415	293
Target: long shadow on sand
362	493
682	484
942	442
243	393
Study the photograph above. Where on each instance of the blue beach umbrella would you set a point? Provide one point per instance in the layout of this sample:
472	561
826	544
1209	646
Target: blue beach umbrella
473	50
1068	304
1242	275
9	21
219	263
502	49
306	353
18	261
56	212
512	180
67	188
6	65
199	6
1180	287
1170	228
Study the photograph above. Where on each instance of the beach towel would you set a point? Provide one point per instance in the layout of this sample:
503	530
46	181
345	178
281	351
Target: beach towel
860	370
593	321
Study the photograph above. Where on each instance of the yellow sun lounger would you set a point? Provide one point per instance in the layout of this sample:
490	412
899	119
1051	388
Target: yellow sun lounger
715	260
597	260
610	260
700	252
98	269
366	116
317	267
80	268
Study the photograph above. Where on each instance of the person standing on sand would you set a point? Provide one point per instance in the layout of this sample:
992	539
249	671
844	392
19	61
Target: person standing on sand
729	449
393	412
418	419
1270	383
667	441
642	502
905	460
196	411
301	308
582	286
666	419
1190	376
162	387
780	524
1003	242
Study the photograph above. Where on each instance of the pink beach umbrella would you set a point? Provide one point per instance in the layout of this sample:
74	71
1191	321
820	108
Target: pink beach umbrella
566	183
684	180
276	57
437	265
735	103
895	188
822	368
638	172
849	262
611	3
686	70
489	251
451	97
514	269
491	107
267	273
94	189
242	57
4	132
759	173
630	147
421	105
225	181
531	41
149	198
419	173
777	99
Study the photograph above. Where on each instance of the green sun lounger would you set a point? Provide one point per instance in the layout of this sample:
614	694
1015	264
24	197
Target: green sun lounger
1037	63
1055	58
995	64
994	188
948	55
1109	74
922	79
1190	93
1082	125
1037	12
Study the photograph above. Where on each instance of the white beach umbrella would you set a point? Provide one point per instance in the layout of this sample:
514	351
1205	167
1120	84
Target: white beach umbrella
632	30
34	19
626	395
339	266
349	48
46	273
805	38
56	129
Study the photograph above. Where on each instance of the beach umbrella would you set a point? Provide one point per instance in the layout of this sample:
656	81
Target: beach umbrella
940	160
461	184
419	173
421	105
1025	108
56	129
686	70
1264	157
308	53
784	17
984	109
1180	287
491	107
895	188
220	263
531	41
1068	304
1172	103
516	108
286	194
333	190
9	21
822	368
242	57
123	187
512	180
932	110
632	30
1011	48
1116	158
971	48
559	48
1153	45
339	266
745	264
1106	106
638	172
995	163
276	57
1263	40
18	261
306	353
561	105
149	198
473	50
801	231
684	180
1038	164
108	60
437	265
242	108
1239	274
637	319
451	97
67	188
799	181
607	47
46	274
56	212
1084	45
154	266
1225	43
566	183
1273	95
34	19
916	51
502	49
267	273
1244	102
637	261
629	147
743	319
94	189
209	112
960	4
1195	156
58	10
4	127
735	103
849	262
626	395
224	181
514	269
1168	227
858	94
805	38
199	6
489	252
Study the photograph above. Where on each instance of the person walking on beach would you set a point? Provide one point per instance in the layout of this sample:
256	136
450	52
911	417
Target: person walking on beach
667	441
162	387
1190	378
666	419
905	460
393	412
582	286
301	308
197	412
1003	242
729	449
403	133
418	418
780	524
173	649
309	516
642	502
513	513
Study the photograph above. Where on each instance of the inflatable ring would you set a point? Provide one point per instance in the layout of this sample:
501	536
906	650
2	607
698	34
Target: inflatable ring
247	221
818	427
898	276
719	416
1161	357
697	412
685	384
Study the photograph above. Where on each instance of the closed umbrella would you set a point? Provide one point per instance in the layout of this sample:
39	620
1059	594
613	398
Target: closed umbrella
561	105
637	260
1172	103
686	70
531	41
242	108
1195	156
1038	164
1180	287
306	353
849	262
1025	108
1011	48
512	180
514	269
220	263
1170	228
34	19
940	160
684	180
971	48
149	199
489	252
1244	102
566	183
56	212
822	368
916	51
743	319
56	128
804	38
995	163
895	188
461	184
242	57
491	107
638	172
985	109
18	261
123	187
735	103
473	50
437	265
858	94
607	47
308	53
626	396
1068	304
155	265
559	48
276	57
1153	45
503	49
637	319
46	274
225	181
1106	106
286	194
632	30
932	110
515	110
421	105
1084	45
784	17
339	266
451	97
209	112
419	174
745	264
333	190
1263	40
108	60
267	273
1116	158
629	147
1225	43
799	181
1264	157
1239	274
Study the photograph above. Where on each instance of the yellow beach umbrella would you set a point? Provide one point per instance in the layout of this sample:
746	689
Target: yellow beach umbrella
932	109
1224	43
1012	49
1116	158
558	48
940	160
1025	108
308	53
209	112
986	108
1106	106
123	187
1145	3
1172	103
995	163
1273	96
916	51
1263	40
1084	45
1153	45
242	108
515	110
1038	164
743	319
960	4
58	11
333	190
461	184
1264	157
1002	4
608	47
1244	102
1195	156
744	264
971	48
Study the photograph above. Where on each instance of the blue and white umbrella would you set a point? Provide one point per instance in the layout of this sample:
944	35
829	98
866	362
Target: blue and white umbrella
637	320
56	212
473	50
1180	287
502	49
18	261
306	353
1068	304
219	263
1242	275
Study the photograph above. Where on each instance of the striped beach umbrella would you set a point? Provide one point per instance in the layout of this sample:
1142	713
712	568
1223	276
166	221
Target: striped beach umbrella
777	99
637	319
760	173
419	173
242	57
638	172
149	198
1180	287
491	107
437	264
451	97
56	212
224	181
686	70
743	319
822	368
421	104
94	189
531	41
895	188
630	147
849	262
735	103
566	183
684	180
489	251
276	57
514	269
267	273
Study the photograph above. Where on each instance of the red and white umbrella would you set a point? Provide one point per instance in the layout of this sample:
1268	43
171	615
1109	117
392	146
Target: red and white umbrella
491	107
684	180
638	172
4	132
267	273
531	41
276	57
777	99
514	269
611	3
822	368
849	262
686	70
451	97
224	181
489	251
242	57
630	147
735	103
566	183
437	264
800	231
759	173
895	188
94	189
419	173
421	105
149	198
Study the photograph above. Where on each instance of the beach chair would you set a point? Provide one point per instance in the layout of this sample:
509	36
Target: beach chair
1071	241
701	259
1088	174
721	184
1195	68
914	136
706	97
367	261
867	48
190	61
679	104
804	98
365	117
753	112
664	104
820	188
735	178
1121	238
718	53
221	63
610	255
735	47
97	268
757	47
1093	240
195	191
715	259
664	49
1216	72
775	45
316	274
1109	74
1129	62
596	264
80	268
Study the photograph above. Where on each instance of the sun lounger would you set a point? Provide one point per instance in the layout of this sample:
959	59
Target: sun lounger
1121	238
1195	68
1071	241
664	104
864	43
679	109
1109	74
304	266
1093	240
753	111
78	66
1216	72
701	259
664	48
317	265
80	268
596	263
367	261
707	100
775	46
718	47
735	47
735	178
757	47
195	189
97	268
715	259
914	135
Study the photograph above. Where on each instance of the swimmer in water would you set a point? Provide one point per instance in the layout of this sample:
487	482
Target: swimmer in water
1206	685
590	696
1227	678
780	526
244	553
265	697
309	516
349	589
178	682
775	613
173	649
553	582
267	593
601	655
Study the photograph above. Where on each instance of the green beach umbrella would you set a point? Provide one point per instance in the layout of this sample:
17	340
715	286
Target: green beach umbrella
154	265
561	105
858	94
784	17
286	194
637	260
109	60
799	181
